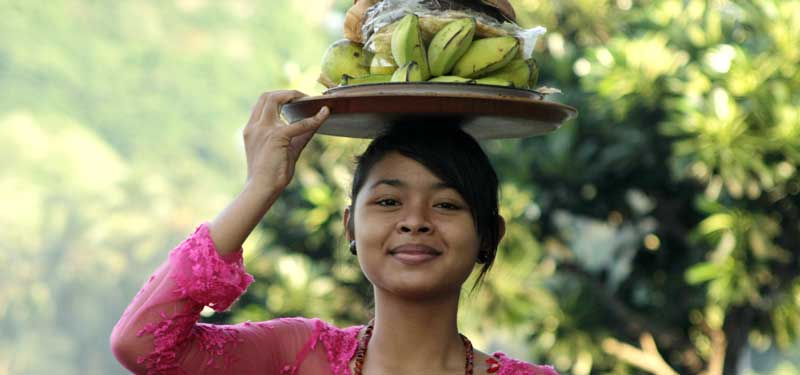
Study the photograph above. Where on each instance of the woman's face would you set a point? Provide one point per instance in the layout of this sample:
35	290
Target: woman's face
415	237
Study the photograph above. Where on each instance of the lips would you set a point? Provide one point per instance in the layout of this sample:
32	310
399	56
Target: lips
413	254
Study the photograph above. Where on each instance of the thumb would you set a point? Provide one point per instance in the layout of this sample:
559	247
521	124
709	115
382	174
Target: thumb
298	144
308	124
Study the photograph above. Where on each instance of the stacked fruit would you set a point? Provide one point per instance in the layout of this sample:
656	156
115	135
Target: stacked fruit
453	55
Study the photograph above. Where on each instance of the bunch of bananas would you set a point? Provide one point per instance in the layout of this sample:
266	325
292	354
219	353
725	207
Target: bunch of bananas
453	55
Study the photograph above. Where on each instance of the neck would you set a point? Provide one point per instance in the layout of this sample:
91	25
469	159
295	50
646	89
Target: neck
414	336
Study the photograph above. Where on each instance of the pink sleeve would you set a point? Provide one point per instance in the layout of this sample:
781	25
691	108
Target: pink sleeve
512	366
159	332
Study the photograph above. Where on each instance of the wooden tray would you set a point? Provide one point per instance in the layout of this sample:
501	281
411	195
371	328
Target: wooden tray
485	112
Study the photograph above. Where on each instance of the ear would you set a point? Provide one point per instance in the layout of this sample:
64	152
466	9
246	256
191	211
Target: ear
501	224
347	233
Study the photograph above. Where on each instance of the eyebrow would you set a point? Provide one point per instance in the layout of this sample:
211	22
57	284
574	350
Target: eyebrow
401	184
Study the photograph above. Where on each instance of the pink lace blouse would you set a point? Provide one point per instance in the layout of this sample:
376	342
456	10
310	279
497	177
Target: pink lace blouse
159	332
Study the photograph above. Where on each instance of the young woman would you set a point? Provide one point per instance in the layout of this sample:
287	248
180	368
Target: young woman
423	215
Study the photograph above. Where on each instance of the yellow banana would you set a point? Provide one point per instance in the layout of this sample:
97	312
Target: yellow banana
407	45
343	57
520	72
451	79
382	64
449	44
485	56
493	81
410	72
370	78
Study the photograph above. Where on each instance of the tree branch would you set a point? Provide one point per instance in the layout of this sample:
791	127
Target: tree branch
647	358
633	323
716	363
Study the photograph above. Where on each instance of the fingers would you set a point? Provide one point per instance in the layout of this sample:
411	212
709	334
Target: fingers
258	108
298	144
270	112
308	124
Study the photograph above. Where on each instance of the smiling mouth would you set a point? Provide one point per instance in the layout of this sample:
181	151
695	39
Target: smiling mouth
414	254
414	258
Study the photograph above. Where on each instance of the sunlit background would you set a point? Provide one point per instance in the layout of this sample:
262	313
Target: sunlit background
658	232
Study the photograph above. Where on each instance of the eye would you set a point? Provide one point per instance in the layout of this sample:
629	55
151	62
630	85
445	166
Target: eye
387	202
448	206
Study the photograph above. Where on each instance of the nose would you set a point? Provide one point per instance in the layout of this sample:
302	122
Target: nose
411	228
415	221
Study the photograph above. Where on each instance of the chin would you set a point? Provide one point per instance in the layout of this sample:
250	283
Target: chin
418	294
416	283
419	289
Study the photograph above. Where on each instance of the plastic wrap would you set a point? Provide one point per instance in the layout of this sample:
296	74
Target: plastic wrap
379	22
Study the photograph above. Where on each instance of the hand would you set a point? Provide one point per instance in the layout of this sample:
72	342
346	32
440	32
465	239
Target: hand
273	146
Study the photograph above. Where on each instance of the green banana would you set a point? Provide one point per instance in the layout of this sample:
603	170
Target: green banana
522	73
493	81
407	45
485	56
382	64
449	44
410	72
370	78
343	57
451	79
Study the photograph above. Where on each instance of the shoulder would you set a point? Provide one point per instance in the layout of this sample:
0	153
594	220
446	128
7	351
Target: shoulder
339	344
513	366
314	337
316	329
320	328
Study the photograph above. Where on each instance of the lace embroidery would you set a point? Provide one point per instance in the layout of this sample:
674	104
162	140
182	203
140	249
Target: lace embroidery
168	339
202	275
219	341
511	366
310	345
340	344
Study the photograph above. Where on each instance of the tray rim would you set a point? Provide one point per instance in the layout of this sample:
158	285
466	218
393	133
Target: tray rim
545	116
432	89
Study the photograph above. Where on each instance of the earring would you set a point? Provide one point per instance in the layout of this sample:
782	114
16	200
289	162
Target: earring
353	247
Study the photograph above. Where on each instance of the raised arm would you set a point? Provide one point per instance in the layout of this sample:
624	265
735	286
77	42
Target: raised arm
272	149
158	333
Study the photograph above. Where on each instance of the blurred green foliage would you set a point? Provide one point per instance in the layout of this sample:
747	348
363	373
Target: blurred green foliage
670	208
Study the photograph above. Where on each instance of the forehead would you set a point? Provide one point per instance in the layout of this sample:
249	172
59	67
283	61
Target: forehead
400	171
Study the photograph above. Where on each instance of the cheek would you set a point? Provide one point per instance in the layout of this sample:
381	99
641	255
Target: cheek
370	235
369	229
471	246
465	233
358	222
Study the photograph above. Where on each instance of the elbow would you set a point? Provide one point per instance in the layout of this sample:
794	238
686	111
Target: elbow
126	354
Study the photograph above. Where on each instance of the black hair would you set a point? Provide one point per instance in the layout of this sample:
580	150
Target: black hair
453	156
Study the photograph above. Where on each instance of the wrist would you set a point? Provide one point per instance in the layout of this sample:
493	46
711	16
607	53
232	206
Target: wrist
262	190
